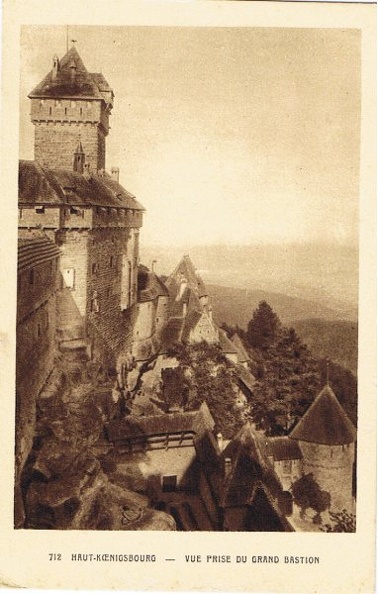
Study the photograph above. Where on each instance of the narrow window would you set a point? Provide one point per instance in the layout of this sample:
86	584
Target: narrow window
65	111
39	330
31	276
50	110
81	111
20	213
169	483
94	302
111	263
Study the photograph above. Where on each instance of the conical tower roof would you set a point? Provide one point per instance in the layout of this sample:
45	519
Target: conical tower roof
71	80
325	422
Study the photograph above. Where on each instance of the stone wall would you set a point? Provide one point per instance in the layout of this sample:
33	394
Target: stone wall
36	326
59	126
140	468
332	467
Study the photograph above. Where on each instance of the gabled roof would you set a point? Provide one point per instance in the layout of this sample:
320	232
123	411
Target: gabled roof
250	467
243	356
225	343
325	422
246	378
35	250
195	422
39	185
149	285
73	80
185	270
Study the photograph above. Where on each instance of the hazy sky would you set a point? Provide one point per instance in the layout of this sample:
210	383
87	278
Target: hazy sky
232	135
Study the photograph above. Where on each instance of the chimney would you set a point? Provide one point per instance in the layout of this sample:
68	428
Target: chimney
227	467
55	69
87	170
115	174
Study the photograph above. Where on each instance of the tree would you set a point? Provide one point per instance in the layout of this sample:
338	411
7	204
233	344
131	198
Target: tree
341	522
263	327
287	383
211	378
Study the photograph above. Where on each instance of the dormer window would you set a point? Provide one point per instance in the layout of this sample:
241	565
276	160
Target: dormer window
40	209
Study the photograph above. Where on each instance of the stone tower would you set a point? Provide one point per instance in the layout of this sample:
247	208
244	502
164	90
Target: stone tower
93	220
69	105
327	438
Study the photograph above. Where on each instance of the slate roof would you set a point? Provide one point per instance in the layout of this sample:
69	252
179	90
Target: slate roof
250	467
325	422
35	250
225	343
284	448
246	378
171	333
187	270
39	185
243	356
149	285
82	85
195	422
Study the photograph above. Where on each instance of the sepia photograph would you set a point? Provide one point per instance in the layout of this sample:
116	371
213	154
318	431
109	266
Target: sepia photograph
187	335
190	269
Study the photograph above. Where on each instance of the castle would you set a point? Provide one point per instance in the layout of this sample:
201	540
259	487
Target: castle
78	239
84	296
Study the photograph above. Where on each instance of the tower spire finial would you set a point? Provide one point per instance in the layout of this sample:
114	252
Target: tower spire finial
327	371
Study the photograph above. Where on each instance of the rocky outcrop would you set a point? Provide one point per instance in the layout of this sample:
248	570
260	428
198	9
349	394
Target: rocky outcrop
65	487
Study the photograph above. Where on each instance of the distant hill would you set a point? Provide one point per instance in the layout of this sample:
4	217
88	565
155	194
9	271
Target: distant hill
236	306
321	328
337	339
324	274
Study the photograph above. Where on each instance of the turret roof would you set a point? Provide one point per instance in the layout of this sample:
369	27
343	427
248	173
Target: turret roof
325	422
64	84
